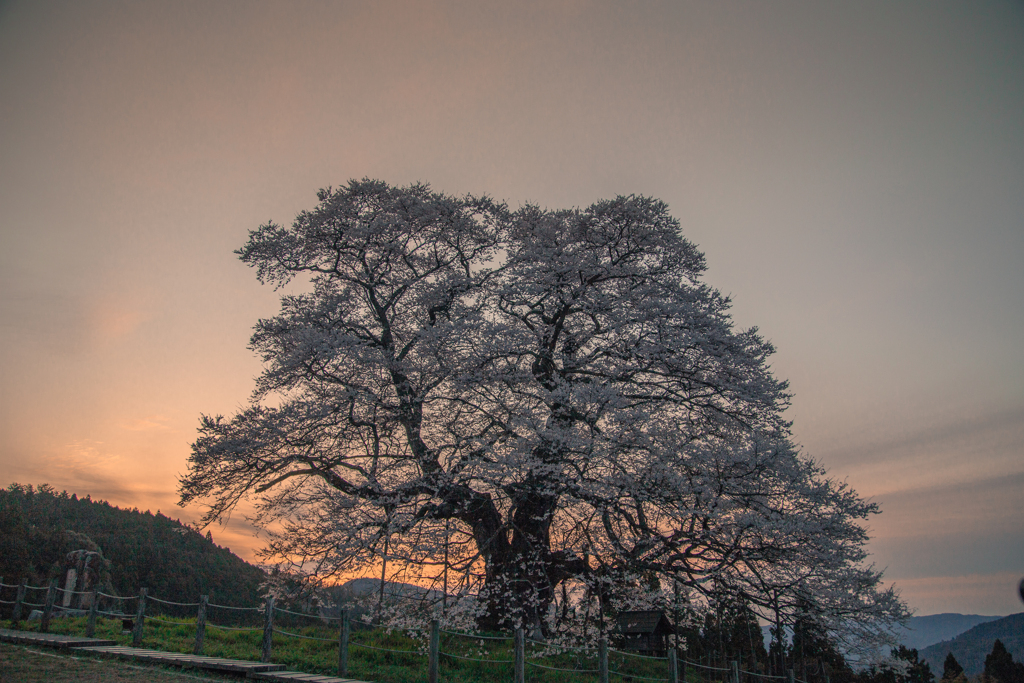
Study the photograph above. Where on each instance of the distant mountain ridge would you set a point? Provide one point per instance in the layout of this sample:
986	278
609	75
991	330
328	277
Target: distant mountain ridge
921	632
971	646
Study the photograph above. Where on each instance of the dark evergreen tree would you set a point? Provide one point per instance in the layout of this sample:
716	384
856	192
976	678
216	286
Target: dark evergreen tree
919	671
951	669
777	652
729	632
813	654
14	542
1000	667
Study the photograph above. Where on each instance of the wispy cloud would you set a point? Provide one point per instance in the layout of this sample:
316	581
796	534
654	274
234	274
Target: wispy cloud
1006	426
148	423
992	594
114	317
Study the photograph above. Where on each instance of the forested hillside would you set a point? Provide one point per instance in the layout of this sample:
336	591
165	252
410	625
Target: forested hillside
971	647
920	632
39	527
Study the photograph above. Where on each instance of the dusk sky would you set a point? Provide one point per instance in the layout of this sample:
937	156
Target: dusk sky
853	171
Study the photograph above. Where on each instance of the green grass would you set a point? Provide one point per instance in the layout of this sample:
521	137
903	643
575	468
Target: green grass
319	657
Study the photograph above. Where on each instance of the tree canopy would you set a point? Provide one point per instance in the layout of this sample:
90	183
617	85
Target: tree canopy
1000	667
531	404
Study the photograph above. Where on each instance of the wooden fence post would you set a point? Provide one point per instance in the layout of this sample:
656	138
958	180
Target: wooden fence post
520	661
673	674
200	625
51	594
435	647
94	606
602	660
19	598
268	631
735	666
140	618
343	645
792	676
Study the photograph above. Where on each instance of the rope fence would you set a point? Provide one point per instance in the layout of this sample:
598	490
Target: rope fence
778	678
475	636
645	678
476	659
168	602
113	615
299	635
384	649
583	662
165	621
557	668
234	628
639	656
297	614
117	597
712	668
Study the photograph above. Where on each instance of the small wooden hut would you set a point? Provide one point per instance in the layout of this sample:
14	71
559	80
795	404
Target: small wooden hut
645	632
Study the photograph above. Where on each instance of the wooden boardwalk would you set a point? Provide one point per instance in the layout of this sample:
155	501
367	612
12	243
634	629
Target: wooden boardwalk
108	648
49	639
183	660
293	676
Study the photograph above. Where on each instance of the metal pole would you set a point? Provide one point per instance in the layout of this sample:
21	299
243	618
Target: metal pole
268	631
602	660
444	595
435	646
343	645
19	598
197	649
51	593
90	626
140	618
520	661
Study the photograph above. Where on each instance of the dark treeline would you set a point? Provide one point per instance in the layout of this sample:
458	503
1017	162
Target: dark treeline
731	632
40	526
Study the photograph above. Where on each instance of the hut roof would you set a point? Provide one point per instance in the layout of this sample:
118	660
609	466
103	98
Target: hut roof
644	621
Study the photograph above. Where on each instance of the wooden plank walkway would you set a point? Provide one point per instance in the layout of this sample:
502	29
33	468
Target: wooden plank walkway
182	660
108	648
293	676
49	639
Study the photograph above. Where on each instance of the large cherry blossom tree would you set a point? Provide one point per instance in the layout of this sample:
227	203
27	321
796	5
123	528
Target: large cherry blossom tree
521	401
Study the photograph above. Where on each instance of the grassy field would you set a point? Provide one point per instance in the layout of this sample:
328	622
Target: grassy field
367	660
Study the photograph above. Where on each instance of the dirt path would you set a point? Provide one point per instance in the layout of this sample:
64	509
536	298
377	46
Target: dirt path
24	664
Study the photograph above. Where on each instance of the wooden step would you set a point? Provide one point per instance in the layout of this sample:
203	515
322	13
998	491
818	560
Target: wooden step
49	639
293	676
182	660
